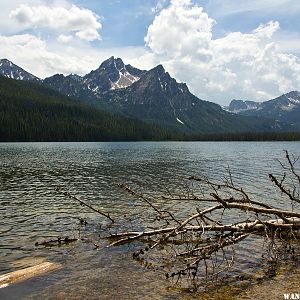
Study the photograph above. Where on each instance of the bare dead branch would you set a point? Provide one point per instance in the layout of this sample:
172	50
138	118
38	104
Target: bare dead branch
67	194
283	189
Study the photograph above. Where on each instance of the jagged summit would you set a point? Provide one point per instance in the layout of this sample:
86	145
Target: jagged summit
112	62
159	69
288	102
71	85
111	75
10	70
157	78
285	102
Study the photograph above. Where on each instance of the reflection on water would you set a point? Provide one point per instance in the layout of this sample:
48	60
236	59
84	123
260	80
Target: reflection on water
32	211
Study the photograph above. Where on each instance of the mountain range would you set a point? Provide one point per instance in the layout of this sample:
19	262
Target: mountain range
155	97
285	108
111	75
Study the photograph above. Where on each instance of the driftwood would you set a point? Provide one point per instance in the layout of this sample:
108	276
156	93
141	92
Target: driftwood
28	273
294	224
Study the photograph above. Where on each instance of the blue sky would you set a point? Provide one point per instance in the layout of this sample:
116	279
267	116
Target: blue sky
125	22
223	49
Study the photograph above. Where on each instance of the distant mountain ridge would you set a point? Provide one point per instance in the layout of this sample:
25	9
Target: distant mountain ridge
155	97
285	108
237	106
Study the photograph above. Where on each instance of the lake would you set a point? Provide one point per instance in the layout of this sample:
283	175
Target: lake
32	211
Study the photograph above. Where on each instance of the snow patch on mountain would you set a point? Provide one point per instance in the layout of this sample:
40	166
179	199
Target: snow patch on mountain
178	120
125	79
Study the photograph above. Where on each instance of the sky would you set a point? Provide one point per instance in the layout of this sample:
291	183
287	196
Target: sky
222	49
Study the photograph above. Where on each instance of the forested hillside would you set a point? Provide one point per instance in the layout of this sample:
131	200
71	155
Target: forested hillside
31	112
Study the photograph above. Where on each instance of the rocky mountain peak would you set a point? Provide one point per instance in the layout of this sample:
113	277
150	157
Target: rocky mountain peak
161	81
154	96
112	64
10	70
111	75
158	70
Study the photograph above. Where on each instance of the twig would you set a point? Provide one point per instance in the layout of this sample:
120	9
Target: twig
67	194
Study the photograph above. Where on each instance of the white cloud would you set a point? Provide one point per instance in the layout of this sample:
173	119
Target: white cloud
177	29
82	22
266	30
7	25
44	59
238	65
62	38
33	54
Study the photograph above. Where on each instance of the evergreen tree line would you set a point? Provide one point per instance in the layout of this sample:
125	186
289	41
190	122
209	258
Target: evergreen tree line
246	136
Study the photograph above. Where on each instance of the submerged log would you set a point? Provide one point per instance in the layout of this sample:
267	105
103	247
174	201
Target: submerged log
28	273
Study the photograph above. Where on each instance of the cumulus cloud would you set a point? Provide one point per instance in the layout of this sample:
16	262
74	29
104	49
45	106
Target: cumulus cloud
177	28
43	58
80	21
238	65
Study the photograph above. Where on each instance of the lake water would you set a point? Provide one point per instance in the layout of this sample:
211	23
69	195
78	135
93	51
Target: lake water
32	211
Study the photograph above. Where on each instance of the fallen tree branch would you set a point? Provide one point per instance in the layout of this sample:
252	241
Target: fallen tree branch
294	224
